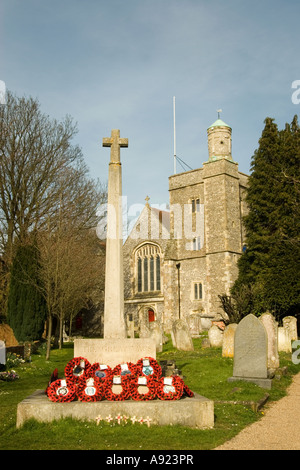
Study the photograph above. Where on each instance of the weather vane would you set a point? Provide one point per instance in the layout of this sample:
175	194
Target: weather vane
219	111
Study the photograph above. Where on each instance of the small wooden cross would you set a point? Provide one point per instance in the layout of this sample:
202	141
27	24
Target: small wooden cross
115	142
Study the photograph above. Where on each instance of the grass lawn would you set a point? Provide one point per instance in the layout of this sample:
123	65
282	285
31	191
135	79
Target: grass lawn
205	371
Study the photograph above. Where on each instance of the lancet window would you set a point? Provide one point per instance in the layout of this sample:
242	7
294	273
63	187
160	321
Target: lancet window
148	262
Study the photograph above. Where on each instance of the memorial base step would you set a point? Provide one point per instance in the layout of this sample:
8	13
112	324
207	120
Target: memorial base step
196	412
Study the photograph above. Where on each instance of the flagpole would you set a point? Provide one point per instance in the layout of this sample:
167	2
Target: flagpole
174	135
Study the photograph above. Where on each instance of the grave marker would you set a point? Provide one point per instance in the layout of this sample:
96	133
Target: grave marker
250	352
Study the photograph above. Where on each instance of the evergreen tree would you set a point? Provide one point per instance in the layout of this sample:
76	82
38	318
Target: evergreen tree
270	265
26	306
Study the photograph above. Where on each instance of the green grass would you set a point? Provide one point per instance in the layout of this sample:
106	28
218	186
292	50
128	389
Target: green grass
205	371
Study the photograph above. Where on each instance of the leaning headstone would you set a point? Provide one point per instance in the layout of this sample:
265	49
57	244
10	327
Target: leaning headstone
228	340
215	336
290	323
271	327
284	340
250	352
181	336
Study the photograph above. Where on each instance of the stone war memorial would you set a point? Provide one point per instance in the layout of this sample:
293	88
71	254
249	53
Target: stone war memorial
117	374
115	347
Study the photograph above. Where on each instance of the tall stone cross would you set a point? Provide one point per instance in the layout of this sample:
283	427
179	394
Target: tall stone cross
114	322
115	142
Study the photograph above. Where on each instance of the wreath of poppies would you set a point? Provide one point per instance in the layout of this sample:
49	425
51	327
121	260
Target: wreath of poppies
135	383
153	369
91	389
124	381
61	391
172	391
100	371
95	382
77	369
120	370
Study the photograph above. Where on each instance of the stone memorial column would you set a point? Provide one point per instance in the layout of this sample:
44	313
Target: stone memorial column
114	322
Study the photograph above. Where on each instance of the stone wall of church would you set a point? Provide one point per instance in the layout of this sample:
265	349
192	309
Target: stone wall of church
151	224
220	188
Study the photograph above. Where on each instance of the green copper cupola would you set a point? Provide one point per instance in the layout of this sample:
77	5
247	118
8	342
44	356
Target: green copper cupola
219	141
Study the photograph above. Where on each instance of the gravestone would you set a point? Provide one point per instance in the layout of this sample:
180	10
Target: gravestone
2	353
144	327
290	323
206	322
195	324
181	336
284	340
271	327
215	336
228	340
156	333
251	352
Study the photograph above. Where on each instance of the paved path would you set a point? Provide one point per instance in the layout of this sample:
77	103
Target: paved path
278	429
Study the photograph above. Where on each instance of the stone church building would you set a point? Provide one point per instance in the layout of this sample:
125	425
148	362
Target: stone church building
176	263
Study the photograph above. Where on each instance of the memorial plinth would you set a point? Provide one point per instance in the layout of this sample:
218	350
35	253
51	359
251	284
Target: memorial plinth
114	351
196	412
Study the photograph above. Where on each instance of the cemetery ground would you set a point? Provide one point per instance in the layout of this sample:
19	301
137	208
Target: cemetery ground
205	372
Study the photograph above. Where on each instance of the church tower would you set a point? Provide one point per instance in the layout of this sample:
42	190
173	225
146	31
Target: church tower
223	188
205	262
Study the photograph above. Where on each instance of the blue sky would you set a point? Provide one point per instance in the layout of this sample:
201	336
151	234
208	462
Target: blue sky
116	64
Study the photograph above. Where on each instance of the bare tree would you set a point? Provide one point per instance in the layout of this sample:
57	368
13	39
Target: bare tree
37	164
72	271
45	189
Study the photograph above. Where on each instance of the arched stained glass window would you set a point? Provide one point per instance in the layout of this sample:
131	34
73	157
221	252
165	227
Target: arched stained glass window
148	268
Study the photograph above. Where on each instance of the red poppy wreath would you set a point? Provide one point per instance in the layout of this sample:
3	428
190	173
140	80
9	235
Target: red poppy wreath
101	371
119	380
137	382
148	367
61	391
77	369
91	389
128	368
170	388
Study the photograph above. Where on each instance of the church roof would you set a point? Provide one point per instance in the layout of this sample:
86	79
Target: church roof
219	123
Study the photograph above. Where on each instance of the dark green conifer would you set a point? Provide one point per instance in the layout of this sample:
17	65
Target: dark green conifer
270	265
26	306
